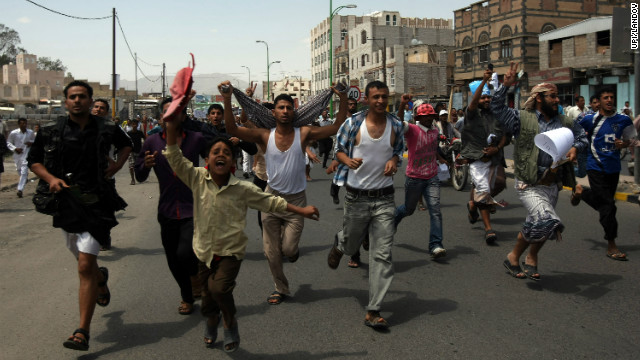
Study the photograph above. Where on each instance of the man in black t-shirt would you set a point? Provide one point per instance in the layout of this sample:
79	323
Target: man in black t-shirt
76	168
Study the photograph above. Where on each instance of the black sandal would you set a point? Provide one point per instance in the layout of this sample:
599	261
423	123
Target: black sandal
104	299
472	215
77	343
490	236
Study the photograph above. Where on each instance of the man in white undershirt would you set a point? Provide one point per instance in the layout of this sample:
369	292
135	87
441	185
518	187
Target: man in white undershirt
369	148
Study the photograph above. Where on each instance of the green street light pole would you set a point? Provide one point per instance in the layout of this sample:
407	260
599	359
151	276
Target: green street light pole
268	83
331	14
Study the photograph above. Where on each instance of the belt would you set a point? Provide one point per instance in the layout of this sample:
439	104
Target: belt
371	193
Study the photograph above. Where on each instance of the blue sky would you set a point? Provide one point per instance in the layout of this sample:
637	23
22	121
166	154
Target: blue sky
221	34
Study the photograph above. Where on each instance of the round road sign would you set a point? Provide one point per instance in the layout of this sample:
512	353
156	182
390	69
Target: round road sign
355	93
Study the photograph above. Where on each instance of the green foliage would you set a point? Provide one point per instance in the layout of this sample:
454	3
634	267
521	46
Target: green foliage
9	45
46	63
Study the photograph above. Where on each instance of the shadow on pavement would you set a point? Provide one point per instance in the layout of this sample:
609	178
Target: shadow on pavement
590	286
125	336
117	253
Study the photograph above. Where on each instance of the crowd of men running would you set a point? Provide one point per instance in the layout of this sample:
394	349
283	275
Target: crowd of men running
77	156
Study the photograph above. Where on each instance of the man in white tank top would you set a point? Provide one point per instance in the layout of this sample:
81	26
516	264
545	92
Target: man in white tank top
369	148
284	148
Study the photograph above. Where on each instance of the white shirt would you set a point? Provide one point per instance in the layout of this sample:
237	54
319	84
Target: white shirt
285	169
17	140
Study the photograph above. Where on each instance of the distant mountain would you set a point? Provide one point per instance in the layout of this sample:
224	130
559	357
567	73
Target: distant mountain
206	84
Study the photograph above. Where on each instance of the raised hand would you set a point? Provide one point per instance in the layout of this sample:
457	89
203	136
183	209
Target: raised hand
511	76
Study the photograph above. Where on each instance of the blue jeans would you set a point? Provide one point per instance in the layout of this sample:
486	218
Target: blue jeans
430	190
374	215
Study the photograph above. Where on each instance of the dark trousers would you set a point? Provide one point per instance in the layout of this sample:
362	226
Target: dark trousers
601	198
177	240
219	285
262	184
324	148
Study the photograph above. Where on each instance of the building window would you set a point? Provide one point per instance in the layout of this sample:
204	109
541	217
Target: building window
466	57
363	37
392	53
26	91
394	20
43	92
466	42
388	20
603	38
7	91
505	49
547	28
362	81
343	34
363	61
392	79
483	53
351	43
377	57
315	43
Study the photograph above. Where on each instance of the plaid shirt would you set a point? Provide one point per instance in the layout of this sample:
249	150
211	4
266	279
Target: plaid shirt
346	140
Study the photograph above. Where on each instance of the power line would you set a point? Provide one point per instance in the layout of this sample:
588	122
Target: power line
131	52
67	15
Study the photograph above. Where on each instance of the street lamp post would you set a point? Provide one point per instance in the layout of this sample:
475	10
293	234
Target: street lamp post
268	71
331	14
268	64
249	70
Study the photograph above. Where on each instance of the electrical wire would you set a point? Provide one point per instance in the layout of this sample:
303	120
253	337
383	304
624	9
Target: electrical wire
67	15
131	52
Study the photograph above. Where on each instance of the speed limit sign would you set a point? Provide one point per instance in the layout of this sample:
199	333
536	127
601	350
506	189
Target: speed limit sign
354	93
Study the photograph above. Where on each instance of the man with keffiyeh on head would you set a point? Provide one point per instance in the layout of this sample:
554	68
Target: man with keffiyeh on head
283	138
536	183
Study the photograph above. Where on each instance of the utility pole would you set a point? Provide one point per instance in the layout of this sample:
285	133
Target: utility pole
113	75
163	80
636	74
136	74
136	69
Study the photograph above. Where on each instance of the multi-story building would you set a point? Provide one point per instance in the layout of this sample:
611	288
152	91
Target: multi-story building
320	52
24	83
577	58
502	31
409	54
299	89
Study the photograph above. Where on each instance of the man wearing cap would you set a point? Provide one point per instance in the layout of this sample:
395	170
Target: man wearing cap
536	184
607	133
482	142
446	128
422	172
369	148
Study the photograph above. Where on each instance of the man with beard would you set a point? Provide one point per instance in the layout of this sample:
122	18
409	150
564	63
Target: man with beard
71	157
284	149
537	186
607	132
369	148
482	141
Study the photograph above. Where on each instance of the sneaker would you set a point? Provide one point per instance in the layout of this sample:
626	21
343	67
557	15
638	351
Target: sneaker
19	193
245	175
438	252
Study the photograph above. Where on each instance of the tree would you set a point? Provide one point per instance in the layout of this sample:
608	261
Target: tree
45	63
9	45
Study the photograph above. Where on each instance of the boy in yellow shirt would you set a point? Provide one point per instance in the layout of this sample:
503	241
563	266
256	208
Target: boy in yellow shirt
219	212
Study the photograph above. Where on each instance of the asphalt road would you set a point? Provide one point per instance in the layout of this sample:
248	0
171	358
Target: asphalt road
464	307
